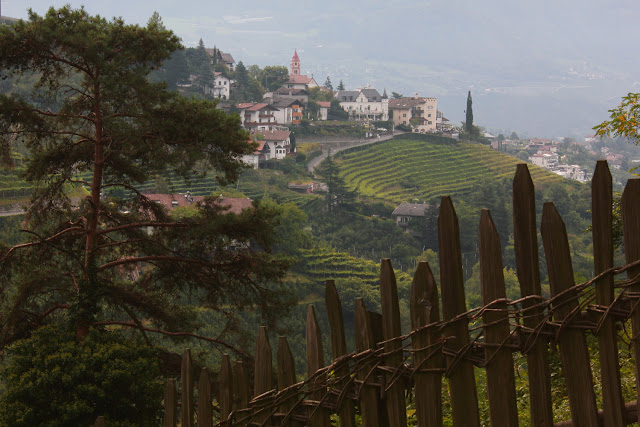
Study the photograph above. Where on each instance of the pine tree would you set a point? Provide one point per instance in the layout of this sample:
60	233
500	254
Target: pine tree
94	123
341	86
328	84
468	125
338	194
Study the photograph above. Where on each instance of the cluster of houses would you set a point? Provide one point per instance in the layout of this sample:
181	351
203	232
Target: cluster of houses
285	107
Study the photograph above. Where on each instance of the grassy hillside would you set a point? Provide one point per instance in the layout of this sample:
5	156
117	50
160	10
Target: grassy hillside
402	170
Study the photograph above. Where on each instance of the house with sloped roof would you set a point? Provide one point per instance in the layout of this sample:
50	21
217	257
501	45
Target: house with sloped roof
289	110
323	113
423	111
221	86
257	117
364	104
405	212
300	94
277	143
220	57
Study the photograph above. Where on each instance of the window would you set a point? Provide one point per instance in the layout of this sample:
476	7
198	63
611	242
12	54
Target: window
174	203
430	107
429	115
404	115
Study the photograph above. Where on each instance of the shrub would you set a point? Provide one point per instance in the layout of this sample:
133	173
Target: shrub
50	379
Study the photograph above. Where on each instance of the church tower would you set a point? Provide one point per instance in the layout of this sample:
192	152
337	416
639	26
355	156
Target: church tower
295	64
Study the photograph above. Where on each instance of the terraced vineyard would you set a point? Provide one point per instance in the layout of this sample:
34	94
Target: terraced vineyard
402	170
12	186
320	264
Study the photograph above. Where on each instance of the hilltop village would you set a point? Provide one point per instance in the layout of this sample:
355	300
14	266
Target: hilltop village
279	104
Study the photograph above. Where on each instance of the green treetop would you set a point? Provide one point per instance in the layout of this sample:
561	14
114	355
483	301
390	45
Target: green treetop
94	120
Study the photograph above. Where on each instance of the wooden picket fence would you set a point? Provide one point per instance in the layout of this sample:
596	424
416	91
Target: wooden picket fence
373	381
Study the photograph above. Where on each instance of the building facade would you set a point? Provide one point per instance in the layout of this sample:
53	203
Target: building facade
364	104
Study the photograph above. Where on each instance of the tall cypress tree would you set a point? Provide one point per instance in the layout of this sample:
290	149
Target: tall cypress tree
468	127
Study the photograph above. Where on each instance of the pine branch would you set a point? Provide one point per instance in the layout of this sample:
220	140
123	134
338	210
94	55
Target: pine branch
173	334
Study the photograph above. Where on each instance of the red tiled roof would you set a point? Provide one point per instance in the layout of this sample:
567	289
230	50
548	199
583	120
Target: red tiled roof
171	201
276	135
235	204
324	104
260	145
295	57
257	107
299	79
244	105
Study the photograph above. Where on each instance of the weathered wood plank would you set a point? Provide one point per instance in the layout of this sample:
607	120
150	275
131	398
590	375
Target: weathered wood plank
263	372
630	208
462	383
391	328
315	361
424	306
339	348
241	389
204	400
186	376
100	422
286	378
602	228
170	404
526	249
225	399
573	345
501	382
368	397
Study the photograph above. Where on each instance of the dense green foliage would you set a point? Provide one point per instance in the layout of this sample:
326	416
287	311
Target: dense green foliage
52	380
93	119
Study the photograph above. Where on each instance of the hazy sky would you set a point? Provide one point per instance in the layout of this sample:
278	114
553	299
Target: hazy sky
544	67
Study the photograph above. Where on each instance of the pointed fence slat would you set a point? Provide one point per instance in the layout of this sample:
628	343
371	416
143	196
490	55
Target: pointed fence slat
204	400
339	348
501	383
286	378
315	361
241	389
186	375
602	227
526	250
368	395
391	328
225	399
170	404
573	345
263	372
425	309
462	383
630	208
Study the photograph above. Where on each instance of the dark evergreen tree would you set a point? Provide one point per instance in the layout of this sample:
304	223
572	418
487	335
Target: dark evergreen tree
338	194
328	84
202	63
95	123
341	86
246	89
468	124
